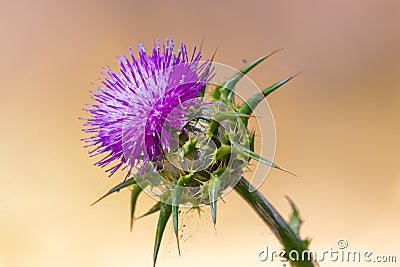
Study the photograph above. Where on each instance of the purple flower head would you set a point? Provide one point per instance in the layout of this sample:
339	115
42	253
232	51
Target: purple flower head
134	107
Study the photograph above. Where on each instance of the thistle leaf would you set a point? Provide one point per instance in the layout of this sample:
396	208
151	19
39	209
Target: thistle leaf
250	105
134	196
306	242
294	221
165	213
274	220
126	183
227	89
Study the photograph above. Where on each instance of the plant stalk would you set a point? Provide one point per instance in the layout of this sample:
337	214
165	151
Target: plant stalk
280	228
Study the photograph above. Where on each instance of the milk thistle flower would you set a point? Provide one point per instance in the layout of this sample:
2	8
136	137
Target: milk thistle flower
140	98
151	115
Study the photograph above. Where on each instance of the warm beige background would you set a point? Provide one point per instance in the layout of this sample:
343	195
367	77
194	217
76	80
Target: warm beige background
337	127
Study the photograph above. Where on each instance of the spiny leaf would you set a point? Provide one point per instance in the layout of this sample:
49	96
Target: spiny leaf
165	213
227	88
238	148
294	221
152	210
275	222
134	196
126	183
306	242
252	102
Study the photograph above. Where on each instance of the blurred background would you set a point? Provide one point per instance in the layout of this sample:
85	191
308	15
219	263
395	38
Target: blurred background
337	128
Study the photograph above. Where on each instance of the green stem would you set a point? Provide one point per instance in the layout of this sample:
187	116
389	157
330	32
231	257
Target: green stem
274	220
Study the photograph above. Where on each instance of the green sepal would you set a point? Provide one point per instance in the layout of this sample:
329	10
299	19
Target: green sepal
117	188
165	213
250	105
136	190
